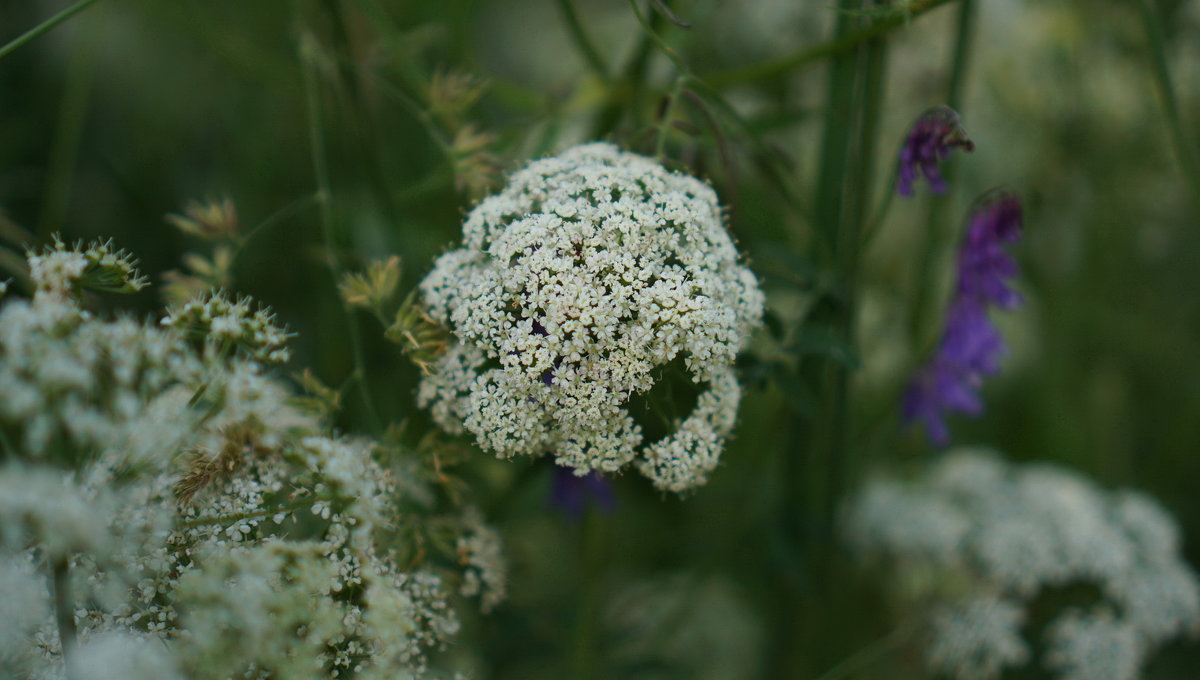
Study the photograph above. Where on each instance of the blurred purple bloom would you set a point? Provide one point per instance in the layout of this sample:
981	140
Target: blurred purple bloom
971	345
572	494
931	138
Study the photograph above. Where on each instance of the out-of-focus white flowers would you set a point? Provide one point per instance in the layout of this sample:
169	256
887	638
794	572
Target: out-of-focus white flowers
985	538
574	286
227	323
174	501
486	574
61	270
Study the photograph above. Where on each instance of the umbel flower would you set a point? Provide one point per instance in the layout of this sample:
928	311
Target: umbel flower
573	288
982	538
971	346
932	137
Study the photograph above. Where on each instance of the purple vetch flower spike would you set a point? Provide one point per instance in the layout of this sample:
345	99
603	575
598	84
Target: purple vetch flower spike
572	494
932	137
971	346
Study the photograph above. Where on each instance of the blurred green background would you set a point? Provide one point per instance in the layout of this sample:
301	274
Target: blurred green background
131	109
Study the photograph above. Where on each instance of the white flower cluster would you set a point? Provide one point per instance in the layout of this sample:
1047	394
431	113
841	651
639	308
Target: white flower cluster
201	525
75	384
1007	532
226	322
61	269
574	286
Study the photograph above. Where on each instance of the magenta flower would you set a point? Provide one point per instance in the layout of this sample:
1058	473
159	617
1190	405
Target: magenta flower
932	137
572	494
971	346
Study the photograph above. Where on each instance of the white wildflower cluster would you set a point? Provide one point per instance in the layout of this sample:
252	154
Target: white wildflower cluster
201	525
1002	534
62	270
574	287
76	384
226	323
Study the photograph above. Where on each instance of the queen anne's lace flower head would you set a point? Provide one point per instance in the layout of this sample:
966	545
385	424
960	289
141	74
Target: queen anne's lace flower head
574	286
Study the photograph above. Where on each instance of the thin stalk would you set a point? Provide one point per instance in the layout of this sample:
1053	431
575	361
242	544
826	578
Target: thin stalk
586	47
866	656
1189	164
240	516
325	199
664	125
65	147
840	45
44	27
936	219
362	132
274	218
64	609
964	37
778	175
584	658
954	95
627	89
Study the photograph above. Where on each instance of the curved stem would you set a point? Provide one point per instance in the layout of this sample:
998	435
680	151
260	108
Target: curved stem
582	41
812	55
271	220
866	656
44	27
664	125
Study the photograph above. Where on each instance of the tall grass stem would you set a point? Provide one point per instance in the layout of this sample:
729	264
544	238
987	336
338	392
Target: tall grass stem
44	27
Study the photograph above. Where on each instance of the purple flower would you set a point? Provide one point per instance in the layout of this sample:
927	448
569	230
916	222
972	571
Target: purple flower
931	138
572	494
971	346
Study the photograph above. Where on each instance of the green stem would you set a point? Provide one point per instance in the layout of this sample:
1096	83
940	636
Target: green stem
840	45
584	657
362	131
324	197
1185	152
582	41
274	218
664	126
240	516
935	235
64	609
44	27
866	656
963	39
780	176
626	92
